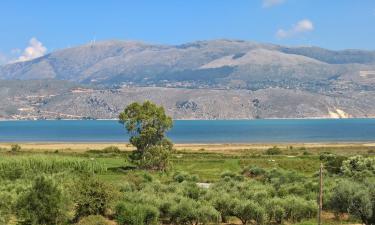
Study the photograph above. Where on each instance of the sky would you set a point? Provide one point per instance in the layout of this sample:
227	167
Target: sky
30	29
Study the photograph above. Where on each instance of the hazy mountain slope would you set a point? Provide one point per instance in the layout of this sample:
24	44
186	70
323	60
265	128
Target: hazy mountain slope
212	64
57	99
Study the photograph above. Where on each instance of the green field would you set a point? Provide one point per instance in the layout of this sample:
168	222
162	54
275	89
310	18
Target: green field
291	172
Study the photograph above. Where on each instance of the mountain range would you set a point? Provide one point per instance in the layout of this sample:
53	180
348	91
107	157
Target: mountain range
217	79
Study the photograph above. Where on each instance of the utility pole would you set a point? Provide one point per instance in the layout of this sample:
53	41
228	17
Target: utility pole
320	194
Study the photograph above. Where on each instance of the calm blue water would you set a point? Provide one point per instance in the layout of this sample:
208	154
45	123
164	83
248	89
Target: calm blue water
196	131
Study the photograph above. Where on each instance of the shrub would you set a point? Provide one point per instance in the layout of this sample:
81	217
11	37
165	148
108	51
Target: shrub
191	190
224	204
356	199
359	167
341	198
6	202
42	204
93	197
332	162
184	212
297	208
93	220
254	171
188	212
111	149
207	214
275	210
273	151
306	153
155	158
183	176
136	214
15	148
248	210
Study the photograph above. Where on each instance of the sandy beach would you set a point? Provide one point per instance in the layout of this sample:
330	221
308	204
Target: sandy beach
220	148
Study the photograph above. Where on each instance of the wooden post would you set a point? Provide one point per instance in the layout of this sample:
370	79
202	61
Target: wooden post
320	194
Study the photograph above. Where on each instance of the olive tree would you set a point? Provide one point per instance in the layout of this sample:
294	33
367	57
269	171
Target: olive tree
224	204
188	212
136	214
147	124
249	211
356	199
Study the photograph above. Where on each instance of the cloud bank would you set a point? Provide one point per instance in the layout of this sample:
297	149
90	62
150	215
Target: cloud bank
270	3
302	26
34	50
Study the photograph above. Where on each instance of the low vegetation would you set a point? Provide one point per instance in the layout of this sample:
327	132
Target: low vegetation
96	188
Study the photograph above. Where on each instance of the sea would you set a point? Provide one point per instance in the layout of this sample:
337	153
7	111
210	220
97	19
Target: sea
196	131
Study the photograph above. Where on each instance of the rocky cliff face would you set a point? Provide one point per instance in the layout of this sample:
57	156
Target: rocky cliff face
219	79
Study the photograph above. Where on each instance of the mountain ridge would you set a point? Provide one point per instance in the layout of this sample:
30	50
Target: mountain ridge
313	82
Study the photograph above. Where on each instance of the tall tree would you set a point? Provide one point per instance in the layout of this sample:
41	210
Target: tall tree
147	124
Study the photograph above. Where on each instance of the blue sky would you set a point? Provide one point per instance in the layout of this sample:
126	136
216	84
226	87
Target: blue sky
45	25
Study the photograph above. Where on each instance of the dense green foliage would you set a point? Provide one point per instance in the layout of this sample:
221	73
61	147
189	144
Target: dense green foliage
147	124
42	204
273	151
92	197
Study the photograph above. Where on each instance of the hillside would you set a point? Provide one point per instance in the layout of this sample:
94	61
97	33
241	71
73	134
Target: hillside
218	79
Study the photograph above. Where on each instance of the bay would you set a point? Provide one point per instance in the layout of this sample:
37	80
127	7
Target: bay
196	131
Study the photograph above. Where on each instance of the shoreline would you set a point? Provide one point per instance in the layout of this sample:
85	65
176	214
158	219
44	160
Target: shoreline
192	119
194	147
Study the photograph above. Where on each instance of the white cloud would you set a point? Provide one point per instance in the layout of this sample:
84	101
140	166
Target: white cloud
34	50
270	3
302	26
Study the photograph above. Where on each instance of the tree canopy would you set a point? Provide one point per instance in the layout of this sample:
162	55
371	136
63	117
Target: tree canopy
147	124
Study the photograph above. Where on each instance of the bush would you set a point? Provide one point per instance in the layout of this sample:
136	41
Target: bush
275	210
254	171
273	151
6	202
224	204
207	214
359	167
111	149
136	214
356	199
332	162
184	212
15	148
297	208
183	176
155	158
42	204
93	197
248	210
93	220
